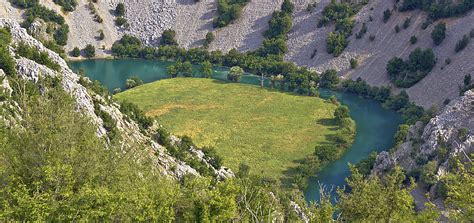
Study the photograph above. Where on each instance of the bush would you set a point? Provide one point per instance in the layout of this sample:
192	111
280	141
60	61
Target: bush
407	73
336	43
439	9
228	11
461	44
329	79
101	34
76	52
168	37
439	33
341	113
397	29
279	25
287	7
372	37
209	38
386	15
413	40
34	54
120	10
362	31
7	63
406	23
133	112
120	21
67	5
235	73
25	3
354	63
132	82
60	36
89	51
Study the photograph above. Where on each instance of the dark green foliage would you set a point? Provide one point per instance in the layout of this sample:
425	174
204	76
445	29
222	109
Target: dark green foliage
407	73
372	37
67	5
362	31
401	134
287	7
60	36
439	33
275	46
461	44
365	166
120	21
127	46
439	9
329	79
336	43
467	79
209	38
397	29
89	51
386	15
39	11
120	9
109	124
406	23
7	63
336	11
101	35
25	3
411	113
228	11
168	37
133	112
341	113
413	40
354	63
76	52
280	25
34	54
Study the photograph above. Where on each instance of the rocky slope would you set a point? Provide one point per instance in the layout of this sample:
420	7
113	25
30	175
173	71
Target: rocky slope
30	70
450	134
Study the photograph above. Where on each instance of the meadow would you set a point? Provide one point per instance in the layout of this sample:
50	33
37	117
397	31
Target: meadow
266	129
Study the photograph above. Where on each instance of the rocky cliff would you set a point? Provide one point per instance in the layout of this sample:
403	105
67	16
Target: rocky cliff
84	98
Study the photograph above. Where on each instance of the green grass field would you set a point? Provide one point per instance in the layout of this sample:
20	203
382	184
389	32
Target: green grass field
266	129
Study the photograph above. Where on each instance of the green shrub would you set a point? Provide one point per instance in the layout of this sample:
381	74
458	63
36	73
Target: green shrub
120	21
406	23
228	11
407	73
76	52
336	43
329	79
34	54
7	63
439	33
120	10
168	37
133	112
439	9
67	5
354	63
132	82
413	40
235	73
89	51
209	38
461	44
362	31
386	15
25	3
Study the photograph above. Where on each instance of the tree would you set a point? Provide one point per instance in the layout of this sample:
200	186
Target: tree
186	69
89	51
172	71
413	40
120	9
461	44
336	43
459	186
101	34
235	74
76	52
386	15
132	82
353	63
206	69
287	7
209	38
341	113
329	79
439	33
168	37
467	79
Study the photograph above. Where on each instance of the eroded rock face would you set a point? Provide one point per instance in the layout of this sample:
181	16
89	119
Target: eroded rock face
84	98
450	132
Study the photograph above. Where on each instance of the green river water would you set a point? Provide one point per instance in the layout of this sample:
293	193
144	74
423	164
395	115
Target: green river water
375	125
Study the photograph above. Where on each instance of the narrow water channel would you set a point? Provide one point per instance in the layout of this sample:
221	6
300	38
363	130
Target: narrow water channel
375	125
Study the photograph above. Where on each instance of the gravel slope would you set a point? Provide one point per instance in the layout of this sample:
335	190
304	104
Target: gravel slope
440	84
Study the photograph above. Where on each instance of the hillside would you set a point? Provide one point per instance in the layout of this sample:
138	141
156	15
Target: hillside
193	20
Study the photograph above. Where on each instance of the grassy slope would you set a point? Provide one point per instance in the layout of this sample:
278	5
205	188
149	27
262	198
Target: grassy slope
268	130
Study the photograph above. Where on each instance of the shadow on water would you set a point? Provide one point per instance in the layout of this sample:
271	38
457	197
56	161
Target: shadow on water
375	125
